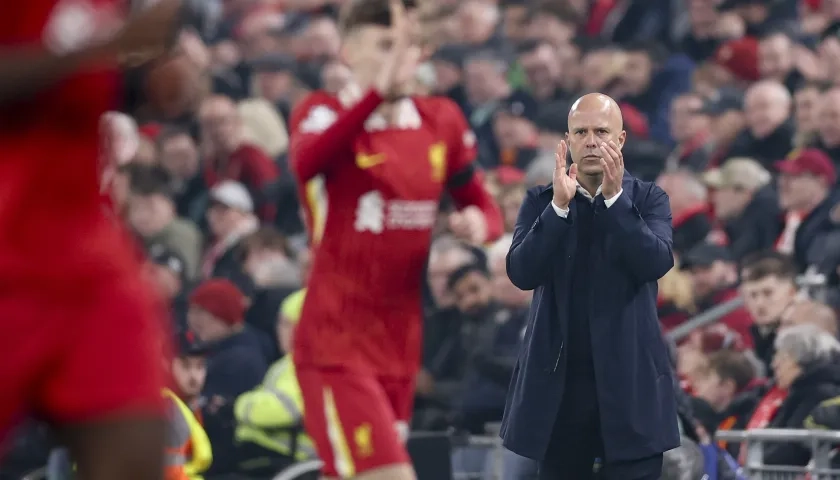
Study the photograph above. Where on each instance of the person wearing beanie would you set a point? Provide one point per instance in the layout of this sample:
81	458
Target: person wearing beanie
236	359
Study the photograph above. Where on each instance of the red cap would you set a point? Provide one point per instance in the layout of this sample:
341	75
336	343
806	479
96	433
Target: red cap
220	297
809	161
739	57
720	337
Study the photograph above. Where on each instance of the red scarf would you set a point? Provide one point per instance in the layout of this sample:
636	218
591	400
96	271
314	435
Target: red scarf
764	413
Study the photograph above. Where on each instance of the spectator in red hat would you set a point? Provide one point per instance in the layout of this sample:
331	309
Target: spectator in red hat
236	361
738	59
806	184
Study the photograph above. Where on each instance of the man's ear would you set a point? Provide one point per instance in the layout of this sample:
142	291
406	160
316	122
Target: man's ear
622	137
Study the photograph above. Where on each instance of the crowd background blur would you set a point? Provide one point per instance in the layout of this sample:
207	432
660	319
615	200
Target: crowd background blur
732	107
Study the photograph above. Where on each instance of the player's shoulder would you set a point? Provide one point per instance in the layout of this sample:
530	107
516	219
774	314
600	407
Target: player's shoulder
315	112
436	104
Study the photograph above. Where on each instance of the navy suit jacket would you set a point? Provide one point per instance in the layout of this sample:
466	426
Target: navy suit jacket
634	380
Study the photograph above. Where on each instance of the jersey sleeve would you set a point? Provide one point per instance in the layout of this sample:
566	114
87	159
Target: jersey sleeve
321	131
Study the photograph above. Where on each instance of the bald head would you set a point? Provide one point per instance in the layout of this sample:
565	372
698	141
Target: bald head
594	119
598	104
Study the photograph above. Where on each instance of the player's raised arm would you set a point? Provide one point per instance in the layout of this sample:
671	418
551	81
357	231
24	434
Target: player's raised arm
479	219
38	53
383	60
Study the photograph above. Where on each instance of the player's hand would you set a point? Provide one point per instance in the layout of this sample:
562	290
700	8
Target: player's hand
613	163
149	33
400	66
565	183
469	225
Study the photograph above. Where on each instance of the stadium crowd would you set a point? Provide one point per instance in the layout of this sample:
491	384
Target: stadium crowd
732	107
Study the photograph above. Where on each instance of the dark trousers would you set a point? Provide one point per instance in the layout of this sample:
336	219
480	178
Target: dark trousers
576	444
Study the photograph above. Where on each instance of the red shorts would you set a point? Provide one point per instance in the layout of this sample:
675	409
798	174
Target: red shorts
354	419
92	350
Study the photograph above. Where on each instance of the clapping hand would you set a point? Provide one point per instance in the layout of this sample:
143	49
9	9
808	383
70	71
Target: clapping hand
613	163
565	184
404	57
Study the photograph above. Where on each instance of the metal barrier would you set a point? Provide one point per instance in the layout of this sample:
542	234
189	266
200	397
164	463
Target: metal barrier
822	444
708	317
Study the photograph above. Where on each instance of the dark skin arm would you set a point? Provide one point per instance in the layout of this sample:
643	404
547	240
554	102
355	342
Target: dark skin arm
27	70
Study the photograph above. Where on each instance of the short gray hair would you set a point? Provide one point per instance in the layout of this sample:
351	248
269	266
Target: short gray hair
807	344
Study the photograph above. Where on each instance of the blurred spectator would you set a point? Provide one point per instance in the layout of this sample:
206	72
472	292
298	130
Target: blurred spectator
723	108
542	70
769	134
515	132
690	129
676	299
178	155
231	219
689	209
768	286
228	155
806	181
807	364
168	272
776	60
828	138
807	106
745	204
714	278
152	214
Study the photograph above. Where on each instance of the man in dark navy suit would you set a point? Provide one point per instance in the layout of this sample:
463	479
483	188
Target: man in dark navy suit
593	380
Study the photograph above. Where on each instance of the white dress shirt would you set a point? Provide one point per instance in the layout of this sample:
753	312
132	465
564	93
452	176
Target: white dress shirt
564	212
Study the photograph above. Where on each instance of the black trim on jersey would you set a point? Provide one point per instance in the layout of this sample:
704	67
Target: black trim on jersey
461	177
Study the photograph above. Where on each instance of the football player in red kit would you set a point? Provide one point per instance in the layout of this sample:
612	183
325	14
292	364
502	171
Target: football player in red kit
81	342
373	163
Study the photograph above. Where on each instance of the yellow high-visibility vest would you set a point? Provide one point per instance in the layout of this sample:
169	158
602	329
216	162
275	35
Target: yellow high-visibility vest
202	452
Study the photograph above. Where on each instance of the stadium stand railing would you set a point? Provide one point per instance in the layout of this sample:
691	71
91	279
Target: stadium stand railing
822	443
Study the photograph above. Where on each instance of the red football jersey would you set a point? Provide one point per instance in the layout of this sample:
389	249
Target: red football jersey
370	211
51	217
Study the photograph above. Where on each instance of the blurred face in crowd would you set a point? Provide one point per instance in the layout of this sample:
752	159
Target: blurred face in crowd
167	281
708	279
702	15
806	109
515	22
512	131
829	56
799	192
726	126
637	73
548	140
274	86
205	326
484	81
189	372
829	118
550	29
785	369
477	21
322	39
718	393
224	55
686	123
683	191
473	293
692	364
503	290
753	13
767	106
220	124
730	202
767	298
597	70
447	76
150	214
510	201
809	312
335	76
223	220
593	120
775	57
286	333
569	55
179	156
441	266
542	68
